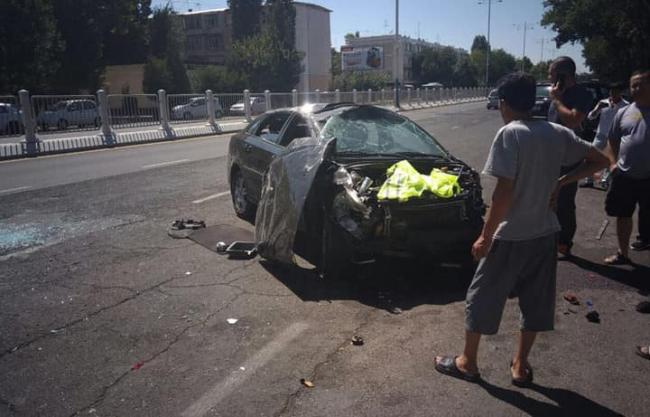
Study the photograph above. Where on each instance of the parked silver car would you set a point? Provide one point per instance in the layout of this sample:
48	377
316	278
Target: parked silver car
10	123
196	108
493	100
258	106
66	113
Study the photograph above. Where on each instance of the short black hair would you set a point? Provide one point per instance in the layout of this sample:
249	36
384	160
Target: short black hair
564	65
644	73
518	90
619	86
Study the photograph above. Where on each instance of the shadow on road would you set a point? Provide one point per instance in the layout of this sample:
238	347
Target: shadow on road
569	403
636	277
392	286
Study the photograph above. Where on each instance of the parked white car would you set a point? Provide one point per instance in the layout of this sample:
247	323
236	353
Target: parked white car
68	113
258	106
10	123
196	108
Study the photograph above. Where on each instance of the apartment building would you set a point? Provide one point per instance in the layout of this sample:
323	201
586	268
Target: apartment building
208	36
377	53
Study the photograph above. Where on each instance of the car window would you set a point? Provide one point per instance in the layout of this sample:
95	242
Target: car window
542	91
377	131
255	124
270	128
89	105
76	106
297	128
198	102
3	109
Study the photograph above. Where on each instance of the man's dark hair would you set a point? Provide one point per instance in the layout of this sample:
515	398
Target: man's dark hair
564	65
618	86
518	91
644	73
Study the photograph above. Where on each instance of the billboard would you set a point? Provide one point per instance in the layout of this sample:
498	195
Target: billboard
362	58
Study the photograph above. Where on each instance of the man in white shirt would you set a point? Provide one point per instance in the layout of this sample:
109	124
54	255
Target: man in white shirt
605	109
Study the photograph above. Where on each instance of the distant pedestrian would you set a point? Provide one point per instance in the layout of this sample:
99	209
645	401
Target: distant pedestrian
629	144
569	107
605	111
517	247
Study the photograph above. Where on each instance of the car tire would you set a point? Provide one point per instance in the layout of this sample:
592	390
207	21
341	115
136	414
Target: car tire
62	124
218	114
240	201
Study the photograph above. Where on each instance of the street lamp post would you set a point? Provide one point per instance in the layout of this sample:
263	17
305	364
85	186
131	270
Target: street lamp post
487	55
523	55
396	62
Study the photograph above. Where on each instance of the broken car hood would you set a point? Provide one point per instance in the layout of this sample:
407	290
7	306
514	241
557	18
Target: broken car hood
285	189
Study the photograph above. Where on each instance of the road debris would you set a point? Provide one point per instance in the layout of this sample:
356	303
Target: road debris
602	229
221	247
592	315
357	340
571	298
188	273
307	383
137	366
232	321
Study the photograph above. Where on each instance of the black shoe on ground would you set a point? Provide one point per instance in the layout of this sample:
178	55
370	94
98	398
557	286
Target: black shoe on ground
640	244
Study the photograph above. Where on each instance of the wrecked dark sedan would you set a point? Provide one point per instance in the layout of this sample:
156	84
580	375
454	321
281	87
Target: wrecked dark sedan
342	184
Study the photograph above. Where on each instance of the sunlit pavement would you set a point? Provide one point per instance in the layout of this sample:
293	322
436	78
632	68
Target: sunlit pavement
104	314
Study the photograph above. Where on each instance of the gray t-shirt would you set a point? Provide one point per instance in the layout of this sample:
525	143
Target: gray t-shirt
531	152
630	128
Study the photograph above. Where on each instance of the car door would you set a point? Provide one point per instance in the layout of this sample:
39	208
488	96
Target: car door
73	113
89	112
262	147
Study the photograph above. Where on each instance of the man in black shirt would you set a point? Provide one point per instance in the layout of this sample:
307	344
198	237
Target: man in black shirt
569	106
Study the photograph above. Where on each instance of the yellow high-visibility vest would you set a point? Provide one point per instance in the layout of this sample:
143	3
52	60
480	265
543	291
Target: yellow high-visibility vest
404	182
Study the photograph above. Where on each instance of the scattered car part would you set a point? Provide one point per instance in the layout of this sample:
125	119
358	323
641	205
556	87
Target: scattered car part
357	340
242	250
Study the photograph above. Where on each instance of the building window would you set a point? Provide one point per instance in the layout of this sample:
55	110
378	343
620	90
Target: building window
213	42
212	20
193	22
193	43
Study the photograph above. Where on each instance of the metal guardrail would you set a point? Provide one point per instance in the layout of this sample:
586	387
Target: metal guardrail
54	113
133	110
11	123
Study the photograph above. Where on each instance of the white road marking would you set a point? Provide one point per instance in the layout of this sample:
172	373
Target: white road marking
211	197
13	190
163	164
220	391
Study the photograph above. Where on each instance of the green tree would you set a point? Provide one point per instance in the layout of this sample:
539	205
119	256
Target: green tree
336	63
540	71
465	74
30	45
501	63
478	55
361	80
245	16
615	37
480	43
435	65
526	66
218	79
125	31
166	48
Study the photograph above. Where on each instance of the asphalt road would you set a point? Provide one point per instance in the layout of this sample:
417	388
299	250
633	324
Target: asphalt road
103	314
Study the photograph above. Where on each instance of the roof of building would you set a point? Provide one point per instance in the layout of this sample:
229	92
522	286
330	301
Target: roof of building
301	3
192	12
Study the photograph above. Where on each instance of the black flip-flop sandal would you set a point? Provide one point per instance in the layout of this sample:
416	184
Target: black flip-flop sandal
447	365
640	352
525	381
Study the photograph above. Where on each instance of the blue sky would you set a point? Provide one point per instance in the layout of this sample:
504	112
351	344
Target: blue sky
449	22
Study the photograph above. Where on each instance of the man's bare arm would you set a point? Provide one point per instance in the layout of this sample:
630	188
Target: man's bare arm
595	160
501	202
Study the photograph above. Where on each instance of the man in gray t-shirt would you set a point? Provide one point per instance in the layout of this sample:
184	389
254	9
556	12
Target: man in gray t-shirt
629	143
517	247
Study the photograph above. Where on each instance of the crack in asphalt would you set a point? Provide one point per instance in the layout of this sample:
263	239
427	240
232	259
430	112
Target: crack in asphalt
176	339
291	398
86	317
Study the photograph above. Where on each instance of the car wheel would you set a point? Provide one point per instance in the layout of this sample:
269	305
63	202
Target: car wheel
62	124
243	207
218	114
187	116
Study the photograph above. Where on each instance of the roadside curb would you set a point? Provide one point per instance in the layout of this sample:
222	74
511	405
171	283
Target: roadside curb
98	141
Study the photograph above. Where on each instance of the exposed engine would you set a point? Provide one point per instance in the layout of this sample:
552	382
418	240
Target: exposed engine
357	210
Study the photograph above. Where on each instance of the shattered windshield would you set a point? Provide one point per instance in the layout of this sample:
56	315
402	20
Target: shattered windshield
367	130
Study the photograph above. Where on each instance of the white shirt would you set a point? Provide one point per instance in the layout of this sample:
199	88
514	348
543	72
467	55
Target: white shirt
606	117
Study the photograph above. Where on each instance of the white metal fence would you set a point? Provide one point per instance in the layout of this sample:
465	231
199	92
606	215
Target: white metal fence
45	114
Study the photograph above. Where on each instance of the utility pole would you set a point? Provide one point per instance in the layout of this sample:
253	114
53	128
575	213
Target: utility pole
396	62
489	47
523	54
541	56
